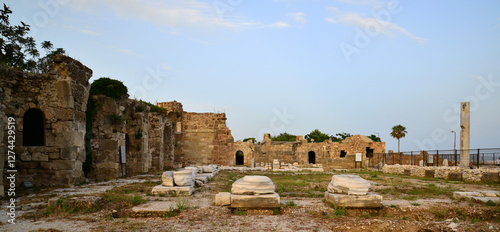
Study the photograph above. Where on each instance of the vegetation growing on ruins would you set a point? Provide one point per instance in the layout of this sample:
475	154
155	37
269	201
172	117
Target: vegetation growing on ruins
246	139
283	137
108	87
19	50
155	108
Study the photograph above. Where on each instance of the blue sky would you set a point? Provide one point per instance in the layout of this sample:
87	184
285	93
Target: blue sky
356	66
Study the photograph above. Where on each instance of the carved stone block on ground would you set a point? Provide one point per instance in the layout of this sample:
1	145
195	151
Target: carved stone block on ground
369	200
202	178
255	201
167	179
177	190
348	184
193	169
207	169
252	185
223	198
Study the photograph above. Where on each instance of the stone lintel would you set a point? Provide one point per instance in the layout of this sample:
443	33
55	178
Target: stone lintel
369	200
223	198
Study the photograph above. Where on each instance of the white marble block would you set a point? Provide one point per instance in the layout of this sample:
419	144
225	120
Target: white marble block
183	178
167	179
349	184
253	185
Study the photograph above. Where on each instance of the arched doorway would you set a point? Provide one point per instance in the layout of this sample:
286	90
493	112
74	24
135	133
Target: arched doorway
312	157
240	158
33	128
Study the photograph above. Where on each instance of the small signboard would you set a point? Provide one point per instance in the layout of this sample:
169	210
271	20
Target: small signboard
430	159
122	154
359	157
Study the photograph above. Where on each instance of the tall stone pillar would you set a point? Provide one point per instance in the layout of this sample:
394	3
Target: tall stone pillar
464	134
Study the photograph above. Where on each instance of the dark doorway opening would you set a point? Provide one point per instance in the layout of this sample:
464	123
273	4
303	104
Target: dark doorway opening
33	128
342	154
369	152
240	158
312	157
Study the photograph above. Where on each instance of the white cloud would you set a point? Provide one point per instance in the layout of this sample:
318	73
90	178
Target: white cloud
170	13
374	3
299	17
278	25
386	28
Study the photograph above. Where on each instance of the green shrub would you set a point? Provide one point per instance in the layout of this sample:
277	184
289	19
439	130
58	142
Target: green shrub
108	87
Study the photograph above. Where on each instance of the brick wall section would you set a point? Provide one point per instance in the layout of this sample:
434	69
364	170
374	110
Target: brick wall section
61	95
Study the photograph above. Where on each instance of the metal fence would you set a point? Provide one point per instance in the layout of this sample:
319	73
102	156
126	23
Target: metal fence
477	158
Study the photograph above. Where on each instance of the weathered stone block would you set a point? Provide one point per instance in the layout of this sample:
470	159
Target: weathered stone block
255	201
167	179
369	200
250	185
207	169
63	165
183	178
349	184
177	190
201	178
39	157
223	198
193	169
407	172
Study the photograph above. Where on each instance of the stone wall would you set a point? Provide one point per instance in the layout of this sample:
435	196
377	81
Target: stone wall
452	173
174	114
161	142
57	102
329	154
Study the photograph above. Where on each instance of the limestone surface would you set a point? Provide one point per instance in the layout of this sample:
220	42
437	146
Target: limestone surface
255	201
253	185
369	200
177	190
349	184
207	169
183	178
193	169
167	179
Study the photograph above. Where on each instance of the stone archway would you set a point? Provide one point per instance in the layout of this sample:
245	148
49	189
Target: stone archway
33	128
312	157
240	158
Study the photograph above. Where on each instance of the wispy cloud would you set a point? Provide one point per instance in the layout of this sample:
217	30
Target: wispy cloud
299	17
279	25
89	32
373	3
386	28
170	13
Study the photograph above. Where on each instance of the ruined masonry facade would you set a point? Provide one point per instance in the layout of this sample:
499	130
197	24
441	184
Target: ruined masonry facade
53	143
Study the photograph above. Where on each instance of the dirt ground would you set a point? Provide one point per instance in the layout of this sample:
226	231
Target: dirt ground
400	213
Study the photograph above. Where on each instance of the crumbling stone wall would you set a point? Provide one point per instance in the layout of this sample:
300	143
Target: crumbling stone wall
161	142
326	153
174	114
248	150
453	173
61	97
206	139
137	138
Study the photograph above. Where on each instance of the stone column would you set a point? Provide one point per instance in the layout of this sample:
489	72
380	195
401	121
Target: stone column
464	134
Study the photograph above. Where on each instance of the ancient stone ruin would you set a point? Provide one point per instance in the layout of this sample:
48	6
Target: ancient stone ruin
351	191
250	192
182	181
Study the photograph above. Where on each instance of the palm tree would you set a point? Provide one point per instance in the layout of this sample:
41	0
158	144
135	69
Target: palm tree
398	132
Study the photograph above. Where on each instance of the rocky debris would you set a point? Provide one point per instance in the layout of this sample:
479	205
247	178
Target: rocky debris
451	173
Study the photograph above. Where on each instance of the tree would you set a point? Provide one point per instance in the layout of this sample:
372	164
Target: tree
398	132
374	138
343	135
317	135
284	137
253	139
19	50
